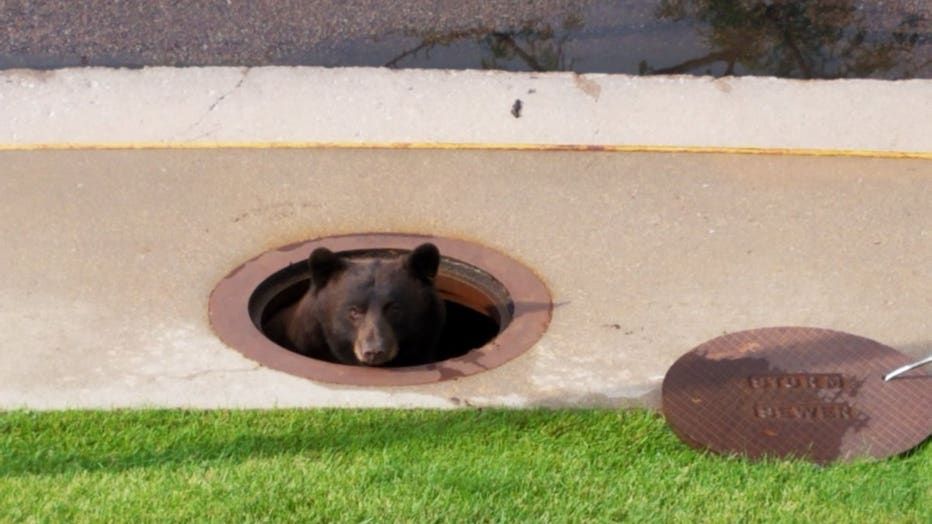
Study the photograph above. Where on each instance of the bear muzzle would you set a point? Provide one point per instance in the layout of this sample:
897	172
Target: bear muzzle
375	342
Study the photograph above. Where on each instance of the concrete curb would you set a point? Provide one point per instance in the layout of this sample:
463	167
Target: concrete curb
308	106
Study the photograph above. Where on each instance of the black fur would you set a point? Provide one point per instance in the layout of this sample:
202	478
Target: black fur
367	311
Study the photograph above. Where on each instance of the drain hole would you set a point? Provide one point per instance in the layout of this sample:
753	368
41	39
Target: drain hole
477	305
465	330
496	309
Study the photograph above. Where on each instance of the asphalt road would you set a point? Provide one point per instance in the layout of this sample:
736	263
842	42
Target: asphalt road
806	39
223	32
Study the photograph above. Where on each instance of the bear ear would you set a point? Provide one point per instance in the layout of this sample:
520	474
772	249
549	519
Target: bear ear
424	262
324	265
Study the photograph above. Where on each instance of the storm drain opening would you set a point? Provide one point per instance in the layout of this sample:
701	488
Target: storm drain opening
496	308
477	305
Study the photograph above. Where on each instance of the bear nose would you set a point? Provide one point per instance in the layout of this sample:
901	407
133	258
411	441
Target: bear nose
370	355
374	357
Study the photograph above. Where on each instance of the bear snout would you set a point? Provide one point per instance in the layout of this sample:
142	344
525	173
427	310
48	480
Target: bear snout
375	344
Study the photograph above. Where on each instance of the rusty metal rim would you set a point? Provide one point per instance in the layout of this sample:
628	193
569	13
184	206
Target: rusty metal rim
231	320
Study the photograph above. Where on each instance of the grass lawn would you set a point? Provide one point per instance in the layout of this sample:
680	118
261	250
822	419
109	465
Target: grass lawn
420	466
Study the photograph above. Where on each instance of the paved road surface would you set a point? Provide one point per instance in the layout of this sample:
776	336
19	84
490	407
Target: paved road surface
841	38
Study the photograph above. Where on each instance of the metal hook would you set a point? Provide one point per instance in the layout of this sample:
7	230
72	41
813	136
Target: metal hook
904	369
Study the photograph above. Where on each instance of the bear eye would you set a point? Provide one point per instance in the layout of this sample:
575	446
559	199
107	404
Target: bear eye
355	312
393	308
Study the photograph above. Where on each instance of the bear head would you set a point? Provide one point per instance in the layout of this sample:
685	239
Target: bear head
376	311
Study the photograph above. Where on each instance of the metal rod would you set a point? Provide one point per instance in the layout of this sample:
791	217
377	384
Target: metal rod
904	369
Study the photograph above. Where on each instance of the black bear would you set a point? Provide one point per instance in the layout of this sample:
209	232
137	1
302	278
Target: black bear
367	311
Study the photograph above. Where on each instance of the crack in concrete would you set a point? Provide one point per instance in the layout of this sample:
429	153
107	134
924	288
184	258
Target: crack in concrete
150	378
196	374
221	98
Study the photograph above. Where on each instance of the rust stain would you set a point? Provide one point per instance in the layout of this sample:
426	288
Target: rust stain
590	87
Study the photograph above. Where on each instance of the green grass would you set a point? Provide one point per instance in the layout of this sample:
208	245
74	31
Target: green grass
420	466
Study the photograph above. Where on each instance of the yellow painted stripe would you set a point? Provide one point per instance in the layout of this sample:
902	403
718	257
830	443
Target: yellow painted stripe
69	146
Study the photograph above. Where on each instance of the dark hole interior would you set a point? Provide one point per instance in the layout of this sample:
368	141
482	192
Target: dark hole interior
465	328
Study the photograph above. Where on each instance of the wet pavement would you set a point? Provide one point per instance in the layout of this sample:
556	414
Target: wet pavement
801	39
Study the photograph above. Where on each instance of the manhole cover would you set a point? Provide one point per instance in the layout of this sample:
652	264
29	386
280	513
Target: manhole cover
797	392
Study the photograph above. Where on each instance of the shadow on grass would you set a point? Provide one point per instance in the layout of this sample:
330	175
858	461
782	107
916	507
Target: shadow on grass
69	442
52	443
